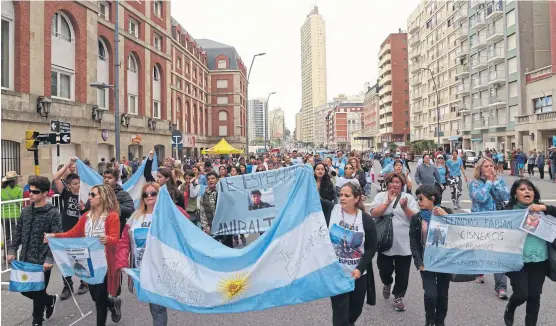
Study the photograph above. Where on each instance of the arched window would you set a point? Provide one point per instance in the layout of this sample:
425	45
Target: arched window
157	98
61	27
101	51
156	73
222	116
194	120
132	85
187	117
62	57
8	16
103	74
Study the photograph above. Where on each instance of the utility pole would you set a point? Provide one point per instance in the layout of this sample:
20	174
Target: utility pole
437	107
247	101
117	81
265	117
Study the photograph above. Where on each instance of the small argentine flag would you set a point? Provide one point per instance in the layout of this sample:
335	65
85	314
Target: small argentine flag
26	277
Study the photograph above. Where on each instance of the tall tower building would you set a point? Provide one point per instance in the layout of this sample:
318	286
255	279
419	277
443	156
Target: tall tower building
257	119
313	71
276	123
393	89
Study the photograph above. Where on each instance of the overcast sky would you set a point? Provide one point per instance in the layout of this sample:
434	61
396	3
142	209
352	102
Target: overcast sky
354	31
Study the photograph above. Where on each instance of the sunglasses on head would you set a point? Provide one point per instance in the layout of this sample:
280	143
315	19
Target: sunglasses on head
92	195
35	192
150	194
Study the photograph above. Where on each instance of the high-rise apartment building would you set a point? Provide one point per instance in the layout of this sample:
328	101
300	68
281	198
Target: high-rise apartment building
276	127
478	53
297	133
370	111
344	120
313	71
258	118
393	89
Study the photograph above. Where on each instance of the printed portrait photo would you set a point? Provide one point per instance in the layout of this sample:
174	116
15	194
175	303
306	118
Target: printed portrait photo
346	241
437	235
81	268
532	222
261	198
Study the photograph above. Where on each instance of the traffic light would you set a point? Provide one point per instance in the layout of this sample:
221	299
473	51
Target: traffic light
31	141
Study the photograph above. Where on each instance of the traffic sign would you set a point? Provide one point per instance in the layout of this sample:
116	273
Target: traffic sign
65	126
60	126
65	138
180	146
47	139
54	125
177	137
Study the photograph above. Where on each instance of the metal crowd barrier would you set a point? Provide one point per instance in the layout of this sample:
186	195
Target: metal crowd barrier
9	215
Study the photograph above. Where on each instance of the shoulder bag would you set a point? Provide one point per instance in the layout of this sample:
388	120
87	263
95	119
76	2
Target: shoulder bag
551	272
385	229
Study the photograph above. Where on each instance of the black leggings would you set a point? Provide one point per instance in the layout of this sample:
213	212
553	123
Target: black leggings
527	287
99	294
347	307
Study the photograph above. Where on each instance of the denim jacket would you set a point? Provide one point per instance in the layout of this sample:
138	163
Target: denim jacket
482	193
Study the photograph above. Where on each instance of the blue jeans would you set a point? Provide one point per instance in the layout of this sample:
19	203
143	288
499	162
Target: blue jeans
553	167
160	314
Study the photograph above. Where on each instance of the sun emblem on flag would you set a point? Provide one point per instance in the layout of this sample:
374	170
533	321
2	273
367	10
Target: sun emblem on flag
24	277
234	286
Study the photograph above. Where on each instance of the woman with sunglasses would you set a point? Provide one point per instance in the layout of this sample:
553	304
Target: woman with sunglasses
130	248
349	176
442	172
488	192
527	283
102	221
353	235
400	207
435	285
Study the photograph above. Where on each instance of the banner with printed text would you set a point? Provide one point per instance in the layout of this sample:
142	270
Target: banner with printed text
476	243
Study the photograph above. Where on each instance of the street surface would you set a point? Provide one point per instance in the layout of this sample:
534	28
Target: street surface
469	304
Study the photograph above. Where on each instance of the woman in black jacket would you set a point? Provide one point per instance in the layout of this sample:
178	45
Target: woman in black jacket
164	177
324	183
353	235
435	285
527	283
359	173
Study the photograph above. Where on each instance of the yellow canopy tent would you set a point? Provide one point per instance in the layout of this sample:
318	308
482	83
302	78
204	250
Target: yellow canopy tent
222	148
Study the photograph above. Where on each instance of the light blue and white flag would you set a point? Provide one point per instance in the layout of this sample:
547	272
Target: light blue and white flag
250	203
90	178
26	277
339	164
476	243
293	262
81	257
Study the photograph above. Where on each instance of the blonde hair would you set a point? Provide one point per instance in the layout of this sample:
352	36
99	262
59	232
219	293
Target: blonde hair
108	201
477	174
178	174
142	210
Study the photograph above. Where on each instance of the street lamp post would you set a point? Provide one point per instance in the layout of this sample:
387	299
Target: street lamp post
247	101
116	86
265	116
437	106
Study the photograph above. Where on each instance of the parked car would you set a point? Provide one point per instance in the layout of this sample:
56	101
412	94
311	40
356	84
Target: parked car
469	158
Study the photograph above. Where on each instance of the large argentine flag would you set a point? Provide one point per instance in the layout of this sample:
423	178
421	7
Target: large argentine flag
26	277
90	178
81	257
293	262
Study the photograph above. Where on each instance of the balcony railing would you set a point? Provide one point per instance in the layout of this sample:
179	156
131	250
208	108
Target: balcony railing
416	107
461	14
495	55
462	71
498	99
463	88
475	3
478	62
477	83
462	51
415	39
539	73
464	125
462	32
494	33
539	117
478	42
479	103
480	20
416	66
497	77
464	106
494	10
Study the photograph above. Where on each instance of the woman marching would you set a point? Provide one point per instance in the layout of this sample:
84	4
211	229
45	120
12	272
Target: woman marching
102	221
349	176
527	283
442	172
400	207
488	192
348	219
130	248
435	285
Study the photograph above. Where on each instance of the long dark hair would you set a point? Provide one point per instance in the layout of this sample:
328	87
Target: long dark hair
518	183
170	183
326	190
356	191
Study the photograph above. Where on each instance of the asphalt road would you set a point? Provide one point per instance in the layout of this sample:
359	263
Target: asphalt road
469	304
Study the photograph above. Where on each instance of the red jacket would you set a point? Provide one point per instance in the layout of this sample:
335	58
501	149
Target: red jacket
112	230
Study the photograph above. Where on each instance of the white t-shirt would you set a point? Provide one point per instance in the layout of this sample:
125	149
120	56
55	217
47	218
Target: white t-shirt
139	230
400	223
95	228
348	238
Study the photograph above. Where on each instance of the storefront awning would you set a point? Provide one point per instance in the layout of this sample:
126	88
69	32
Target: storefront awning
477	140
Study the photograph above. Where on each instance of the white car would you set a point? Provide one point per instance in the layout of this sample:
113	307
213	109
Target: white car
470	158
